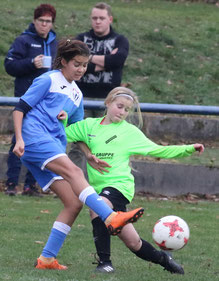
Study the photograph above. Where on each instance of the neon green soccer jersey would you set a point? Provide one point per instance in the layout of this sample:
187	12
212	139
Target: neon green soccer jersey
115	143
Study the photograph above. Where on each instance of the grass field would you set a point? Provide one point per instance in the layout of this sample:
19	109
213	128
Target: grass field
25	225
173	44
173	59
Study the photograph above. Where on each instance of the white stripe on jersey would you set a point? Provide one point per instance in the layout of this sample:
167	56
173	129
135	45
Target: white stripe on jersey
60	85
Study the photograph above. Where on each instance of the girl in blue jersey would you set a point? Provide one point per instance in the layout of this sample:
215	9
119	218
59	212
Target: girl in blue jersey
113	139
41	144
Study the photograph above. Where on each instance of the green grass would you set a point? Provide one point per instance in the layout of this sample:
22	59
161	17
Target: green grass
25	225
173	45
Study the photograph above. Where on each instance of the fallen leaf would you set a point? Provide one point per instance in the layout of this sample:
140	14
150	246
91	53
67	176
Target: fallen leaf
80	225
39	242
45	211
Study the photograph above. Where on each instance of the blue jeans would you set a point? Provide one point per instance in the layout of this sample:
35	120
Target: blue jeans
14	168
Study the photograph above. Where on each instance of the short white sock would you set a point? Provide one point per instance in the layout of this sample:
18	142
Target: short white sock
62	227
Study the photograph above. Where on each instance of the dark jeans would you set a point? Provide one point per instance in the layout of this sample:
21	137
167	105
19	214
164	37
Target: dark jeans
14	168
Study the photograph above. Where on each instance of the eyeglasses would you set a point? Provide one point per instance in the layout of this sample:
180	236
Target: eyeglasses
44	21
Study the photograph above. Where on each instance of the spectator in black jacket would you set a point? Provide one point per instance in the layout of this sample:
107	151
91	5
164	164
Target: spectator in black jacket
30	55
109	51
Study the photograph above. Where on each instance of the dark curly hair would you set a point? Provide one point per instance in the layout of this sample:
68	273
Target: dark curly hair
45	9
68	49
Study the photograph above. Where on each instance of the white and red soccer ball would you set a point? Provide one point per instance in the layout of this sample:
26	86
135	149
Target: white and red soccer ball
171	233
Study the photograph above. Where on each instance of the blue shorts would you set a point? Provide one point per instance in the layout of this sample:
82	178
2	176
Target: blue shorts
37	156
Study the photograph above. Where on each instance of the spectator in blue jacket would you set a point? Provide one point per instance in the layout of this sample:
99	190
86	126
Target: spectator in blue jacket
30	55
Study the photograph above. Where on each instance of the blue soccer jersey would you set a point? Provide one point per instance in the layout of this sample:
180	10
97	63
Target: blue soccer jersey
48	95
43	134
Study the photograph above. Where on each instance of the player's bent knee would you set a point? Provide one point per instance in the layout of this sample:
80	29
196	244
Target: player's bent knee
134	245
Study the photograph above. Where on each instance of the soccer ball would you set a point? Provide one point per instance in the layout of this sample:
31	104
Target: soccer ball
171	233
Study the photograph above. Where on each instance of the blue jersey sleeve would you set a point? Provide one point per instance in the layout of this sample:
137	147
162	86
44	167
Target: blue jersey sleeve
77	115
37	90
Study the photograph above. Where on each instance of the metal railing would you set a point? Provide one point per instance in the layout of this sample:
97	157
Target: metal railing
145	107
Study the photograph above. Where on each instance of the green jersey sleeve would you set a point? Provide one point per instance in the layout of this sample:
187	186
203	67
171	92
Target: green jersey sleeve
140	144
171	151
77	132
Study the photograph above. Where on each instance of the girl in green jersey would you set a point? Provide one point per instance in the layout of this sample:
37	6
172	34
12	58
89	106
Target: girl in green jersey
113	139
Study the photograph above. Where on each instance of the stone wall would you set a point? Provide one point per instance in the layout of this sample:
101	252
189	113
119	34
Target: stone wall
170	128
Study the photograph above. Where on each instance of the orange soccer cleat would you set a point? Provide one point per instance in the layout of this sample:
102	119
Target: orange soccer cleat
122	218
53	265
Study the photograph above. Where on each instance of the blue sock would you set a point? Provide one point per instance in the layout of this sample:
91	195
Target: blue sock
56	240
90	198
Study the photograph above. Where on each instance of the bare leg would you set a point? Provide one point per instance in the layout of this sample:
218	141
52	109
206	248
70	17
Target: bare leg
72	205
130	237
64	167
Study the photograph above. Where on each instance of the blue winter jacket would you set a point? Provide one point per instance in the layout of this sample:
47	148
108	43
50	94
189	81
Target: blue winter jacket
19	60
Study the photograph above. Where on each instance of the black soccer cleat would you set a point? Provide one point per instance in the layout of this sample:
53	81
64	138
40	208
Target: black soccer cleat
31	190
105	267
11	189
170	265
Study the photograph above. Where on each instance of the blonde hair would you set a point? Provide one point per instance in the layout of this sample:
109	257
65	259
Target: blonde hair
125	92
